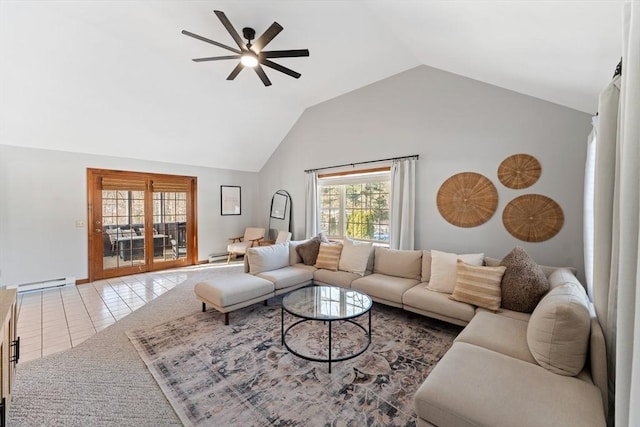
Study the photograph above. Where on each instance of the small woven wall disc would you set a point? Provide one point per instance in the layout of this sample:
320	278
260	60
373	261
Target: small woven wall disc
533	218
467	199
519	171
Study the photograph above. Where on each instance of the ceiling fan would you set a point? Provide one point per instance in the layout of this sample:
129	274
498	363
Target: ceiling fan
251	55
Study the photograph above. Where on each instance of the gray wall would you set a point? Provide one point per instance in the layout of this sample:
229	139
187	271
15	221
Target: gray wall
455	124
43	193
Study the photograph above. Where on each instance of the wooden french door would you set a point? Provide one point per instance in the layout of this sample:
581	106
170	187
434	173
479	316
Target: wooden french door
140	222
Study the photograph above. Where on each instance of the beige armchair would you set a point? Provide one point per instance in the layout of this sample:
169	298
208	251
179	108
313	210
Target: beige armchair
282	238
238	246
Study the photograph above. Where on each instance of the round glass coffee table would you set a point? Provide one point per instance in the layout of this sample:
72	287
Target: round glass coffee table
328	304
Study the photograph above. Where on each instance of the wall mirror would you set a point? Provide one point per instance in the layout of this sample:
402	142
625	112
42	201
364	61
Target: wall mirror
279	214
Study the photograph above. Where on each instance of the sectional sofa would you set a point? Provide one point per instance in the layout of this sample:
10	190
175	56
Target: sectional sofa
506	368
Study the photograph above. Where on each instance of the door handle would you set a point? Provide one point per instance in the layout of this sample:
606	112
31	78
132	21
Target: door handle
98	230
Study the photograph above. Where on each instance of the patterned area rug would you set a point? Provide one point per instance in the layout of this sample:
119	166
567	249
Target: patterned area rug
241	375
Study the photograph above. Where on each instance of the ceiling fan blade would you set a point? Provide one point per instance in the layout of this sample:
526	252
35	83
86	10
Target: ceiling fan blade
292	53
266	37
235	71
263	76
280	68
216	58
224	46
234	34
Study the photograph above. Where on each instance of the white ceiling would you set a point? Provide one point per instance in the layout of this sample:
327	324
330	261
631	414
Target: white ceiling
116	77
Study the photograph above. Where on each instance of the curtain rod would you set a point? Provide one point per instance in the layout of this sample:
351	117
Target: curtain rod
414	156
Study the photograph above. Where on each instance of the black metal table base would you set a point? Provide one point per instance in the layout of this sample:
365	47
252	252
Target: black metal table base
330	359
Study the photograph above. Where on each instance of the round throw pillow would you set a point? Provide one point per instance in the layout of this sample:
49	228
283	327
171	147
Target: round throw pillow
559	328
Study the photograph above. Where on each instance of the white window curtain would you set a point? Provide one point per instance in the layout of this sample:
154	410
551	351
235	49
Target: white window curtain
605	223
311	220
627	392
403	204
616	273
589	182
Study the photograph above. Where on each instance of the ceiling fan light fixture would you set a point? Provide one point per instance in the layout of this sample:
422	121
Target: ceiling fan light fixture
251	55
249	60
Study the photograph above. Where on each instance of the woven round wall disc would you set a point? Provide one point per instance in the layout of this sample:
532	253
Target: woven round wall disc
519	171
533	218
467	199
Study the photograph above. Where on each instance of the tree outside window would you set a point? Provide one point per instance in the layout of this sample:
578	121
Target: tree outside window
358	210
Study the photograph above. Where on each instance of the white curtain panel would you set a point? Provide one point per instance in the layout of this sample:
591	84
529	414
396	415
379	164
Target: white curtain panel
606	229
588	220
627	398
616	225
403	204
311	220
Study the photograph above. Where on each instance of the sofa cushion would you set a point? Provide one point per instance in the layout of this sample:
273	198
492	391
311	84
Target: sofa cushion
478	285
499	333
524	283
398	263
329	256
444	269
438	303
561	276
558	332
288	276
232	289
308	250
518	315
336	278
383	287
473	386
355	256
265	258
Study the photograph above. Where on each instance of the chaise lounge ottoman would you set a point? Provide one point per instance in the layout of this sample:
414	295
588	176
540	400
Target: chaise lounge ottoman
233	292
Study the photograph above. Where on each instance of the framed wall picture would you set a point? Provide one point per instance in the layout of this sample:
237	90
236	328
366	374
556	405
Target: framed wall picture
279	206
230	201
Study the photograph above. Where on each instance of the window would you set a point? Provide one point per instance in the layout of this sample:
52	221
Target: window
355	205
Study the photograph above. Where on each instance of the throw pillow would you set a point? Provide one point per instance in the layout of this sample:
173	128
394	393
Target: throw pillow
267	258
444	269
398	263
322	238
524	283
308	251
355	256
329	256
559	330
479	286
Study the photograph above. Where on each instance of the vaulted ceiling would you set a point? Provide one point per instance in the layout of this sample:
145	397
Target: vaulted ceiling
116	77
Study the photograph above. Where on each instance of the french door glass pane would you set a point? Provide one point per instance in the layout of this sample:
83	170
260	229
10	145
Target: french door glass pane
170	222
123	225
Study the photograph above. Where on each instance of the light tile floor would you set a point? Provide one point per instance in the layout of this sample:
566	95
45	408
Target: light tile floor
53	320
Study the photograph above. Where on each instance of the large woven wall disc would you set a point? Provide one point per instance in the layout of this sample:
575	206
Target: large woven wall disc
467	199
533	218
519	171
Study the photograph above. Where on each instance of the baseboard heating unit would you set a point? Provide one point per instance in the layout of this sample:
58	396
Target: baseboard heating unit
45	284
218	257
